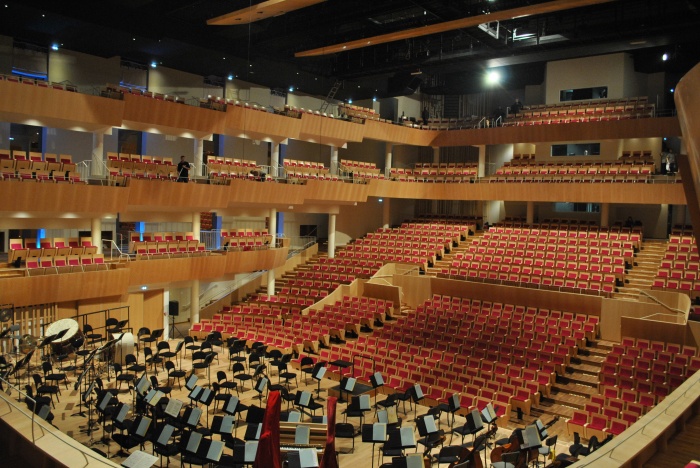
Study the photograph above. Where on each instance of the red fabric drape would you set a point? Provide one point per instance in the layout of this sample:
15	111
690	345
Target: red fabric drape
268	455
329	459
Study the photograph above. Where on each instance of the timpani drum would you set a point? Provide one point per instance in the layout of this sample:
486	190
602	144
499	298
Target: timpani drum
71	338
124	346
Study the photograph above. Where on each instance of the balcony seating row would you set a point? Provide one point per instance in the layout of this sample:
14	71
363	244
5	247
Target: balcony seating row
39	83
29	248
168	249
64	264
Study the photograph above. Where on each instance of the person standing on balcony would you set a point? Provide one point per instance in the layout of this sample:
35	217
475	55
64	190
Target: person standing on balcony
183	170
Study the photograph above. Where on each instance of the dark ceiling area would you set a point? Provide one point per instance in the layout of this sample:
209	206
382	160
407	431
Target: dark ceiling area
174	33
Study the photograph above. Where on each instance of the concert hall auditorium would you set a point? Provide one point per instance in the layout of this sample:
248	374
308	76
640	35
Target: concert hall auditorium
325	233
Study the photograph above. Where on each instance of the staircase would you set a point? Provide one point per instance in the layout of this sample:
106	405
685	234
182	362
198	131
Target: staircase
331	95
642	273
447	259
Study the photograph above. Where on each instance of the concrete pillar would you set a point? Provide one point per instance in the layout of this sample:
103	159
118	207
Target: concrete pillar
530	216
481	169
97	234
331	236
166	314
98	151
197	225
386	213
194	301
387	160
274	158
604	214
334	160
271	282
436	154
273	226
199	157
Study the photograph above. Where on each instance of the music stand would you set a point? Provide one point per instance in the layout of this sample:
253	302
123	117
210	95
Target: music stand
347	384
431	436
260	387
374	434
317	374
139	459
377	381
417	396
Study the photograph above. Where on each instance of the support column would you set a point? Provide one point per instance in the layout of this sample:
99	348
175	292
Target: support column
166	315
387	159
271	282
436	154
194	301
530	217
97	234
481	169
199	157
274	158
334	160
273	227
386	213
197	225
97	166
604	214
331	236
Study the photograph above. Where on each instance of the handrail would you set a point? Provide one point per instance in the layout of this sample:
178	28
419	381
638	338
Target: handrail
114	246
662	304
48	429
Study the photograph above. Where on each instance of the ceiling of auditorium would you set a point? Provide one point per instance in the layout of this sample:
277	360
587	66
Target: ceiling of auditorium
175	34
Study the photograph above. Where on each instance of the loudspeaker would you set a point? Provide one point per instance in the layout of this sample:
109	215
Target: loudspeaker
173	308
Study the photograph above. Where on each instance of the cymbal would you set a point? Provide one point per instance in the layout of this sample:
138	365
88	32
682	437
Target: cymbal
5	315
27	343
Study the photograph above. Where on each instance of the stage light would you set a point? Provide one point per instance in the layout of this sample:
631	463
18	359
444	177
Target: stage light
54	46
230	77
664	57
493	77
154	64
291	89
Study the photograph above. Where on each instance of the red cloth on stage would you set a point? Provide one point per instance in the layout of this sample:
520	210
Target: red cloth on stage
329	459
268	455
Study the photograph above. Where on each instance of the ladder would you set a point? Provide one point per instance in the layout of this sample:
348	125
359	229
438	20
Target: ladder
331	95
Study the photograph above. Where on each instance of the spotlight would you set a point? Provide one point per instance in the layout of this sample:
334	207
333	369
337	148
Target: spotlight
664	57
54	46
493	77
291	89
230	77
154	64
349	101
374	99
144	288
672	90
380	200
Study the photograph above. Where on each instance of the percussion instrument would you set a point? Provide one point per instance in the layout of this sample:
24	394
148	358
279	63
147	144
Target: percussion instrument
69	335
27	343
124	346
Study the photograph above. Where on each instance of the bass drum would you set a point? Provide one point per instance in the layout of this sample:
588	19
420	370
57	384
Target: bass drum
71	340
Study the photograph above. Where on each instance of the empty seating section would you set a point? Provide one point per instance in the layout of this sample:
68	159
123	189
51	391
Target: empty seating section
114	91
356	113
221	169
245	239
25	80
33	166
581	257
57	255
123	166
636	375
618	171
417	243
679	270
436	172
298	170
152	245
360	169
599	110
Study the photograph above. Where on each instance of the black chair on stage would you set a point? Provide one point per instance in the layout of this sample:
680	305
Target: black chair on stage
112	327
153	337
166	389
307	367
191	345
508	460
174	373
92	338
346	431
162	445
165	352
472	426
240	374
225	383
357	408
392	446
136	436
36	402
207	347
122	376
203	360
283	371
41	388
151	359
431	436
51	376
236	347
274	357
448	454
304	400
132	365
215	339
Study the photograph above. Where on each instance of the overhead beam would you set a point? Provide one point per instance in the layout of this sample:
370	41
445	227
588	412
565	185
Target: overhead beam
470	22
261	11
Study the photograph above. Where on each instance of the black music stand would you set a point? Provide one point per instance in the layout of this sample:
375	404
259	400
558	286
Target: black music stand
431	436
260	387
472	426
317	374
347	385
374	434
203	395
417	396
377	381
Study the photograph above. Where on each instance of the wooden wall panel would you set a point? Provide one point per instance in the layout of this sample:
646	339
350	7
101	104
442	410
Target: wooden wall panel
327	131
172	270
242	262
141	112
333	192
55	199
21	103
63	288
265	193
153	309
256	124
144	195
538	192
398	134
650	329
